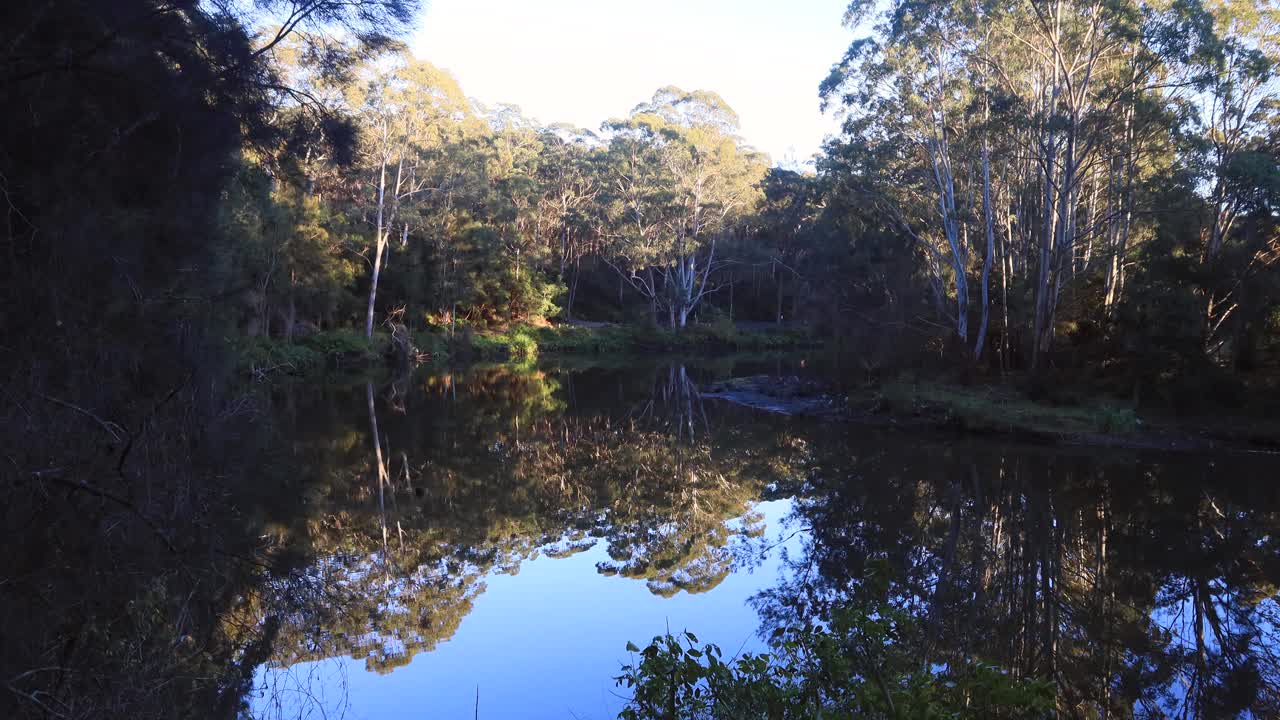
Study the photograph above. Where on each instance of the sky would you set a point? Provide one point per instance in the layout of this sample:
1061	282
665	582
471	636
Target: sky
586	61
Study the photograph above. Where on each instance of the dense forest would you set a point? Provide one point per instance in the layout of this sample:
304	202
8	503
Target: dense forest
1071	174
1065	192
1027	185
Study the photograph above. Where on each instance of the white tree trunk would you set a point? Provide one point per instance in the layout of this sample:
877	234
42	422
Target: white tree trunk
380	244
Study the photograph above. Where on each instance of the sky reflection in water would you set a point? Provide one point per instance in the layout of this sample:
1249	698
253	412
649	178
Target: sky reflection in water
504	464
547	641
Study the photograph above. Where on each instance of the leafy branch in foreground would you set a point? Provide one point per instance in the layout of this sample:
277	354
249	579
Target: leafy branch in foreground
857	666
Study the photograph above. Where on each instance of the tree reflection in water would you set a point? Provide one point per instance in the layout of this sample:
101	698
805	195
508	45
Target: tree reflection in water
1138	585
408	517
1144	587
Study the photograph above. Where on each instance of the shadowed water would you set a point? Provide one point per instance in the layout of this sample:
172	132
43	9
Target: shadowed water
487	542
527	523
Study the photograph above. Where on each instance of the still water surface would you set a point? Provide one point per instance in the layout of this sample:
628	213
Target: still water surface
504	532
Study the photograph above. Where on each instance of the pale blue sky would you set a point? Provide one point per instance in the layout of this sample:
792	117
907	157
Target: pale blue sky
584	61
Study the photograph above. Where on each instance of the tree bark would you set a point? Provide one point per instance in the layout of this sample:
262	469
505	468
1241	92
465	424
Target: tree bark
293	306
981	341
380	244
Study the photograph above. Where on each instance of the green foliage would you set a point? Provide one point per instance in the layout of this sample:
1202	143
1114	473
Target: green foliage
498	288
573	340
262	354
139	232
338	343
524	344
433	343
519	345
287	259
315	352
856	665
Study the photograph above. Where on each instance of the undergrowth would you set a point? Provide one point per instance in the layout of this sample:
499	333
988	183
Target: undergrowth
331	348
1003	409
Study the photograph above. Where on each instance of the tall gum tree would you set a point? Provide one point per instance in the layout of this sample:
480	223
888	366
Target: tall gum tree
1238	93
569	187
1085	97
682	180
409	111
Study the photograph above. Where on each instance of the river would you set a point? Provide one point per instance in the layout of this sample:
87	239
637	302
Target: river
494	545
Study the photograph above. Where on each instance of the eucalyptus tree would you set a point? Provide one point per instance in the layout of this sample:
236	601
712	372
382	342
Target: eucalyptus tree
681	180
410	112
512	171
1238	92
637	204
909	87
569	181
1085	101
786	229
1238	103
1083	69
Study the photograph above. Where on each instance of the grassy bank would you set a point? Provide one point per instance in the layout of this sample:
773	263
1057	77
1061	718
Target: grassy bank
998	408
1087	418
313	353
527	343
349	348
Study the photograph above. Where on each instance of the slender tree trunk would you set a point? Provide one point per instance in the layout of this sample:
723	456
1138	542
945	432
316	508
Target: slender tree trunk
777	316
380	244
653	300
981	340
730	297
1045	259
573	289
373	287
293	306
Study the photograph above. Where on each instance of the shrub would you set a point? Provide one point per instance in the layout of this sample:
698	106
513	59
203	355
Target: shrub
522	346
516	345
309	354
856	664
433	344
256	354
339	343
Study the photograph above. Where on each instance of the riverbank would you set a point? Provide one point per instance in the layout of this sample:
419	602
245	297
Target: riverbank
1075	415
526	343
1003	408
348	349
328	350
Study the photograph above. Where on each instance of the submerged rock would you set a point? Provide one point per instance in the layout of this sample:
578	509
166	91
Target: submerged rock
786	395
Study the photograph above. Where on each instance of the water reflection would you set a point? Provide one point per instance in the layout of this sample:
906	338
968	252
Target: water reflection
1141	586
515	527
437	490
